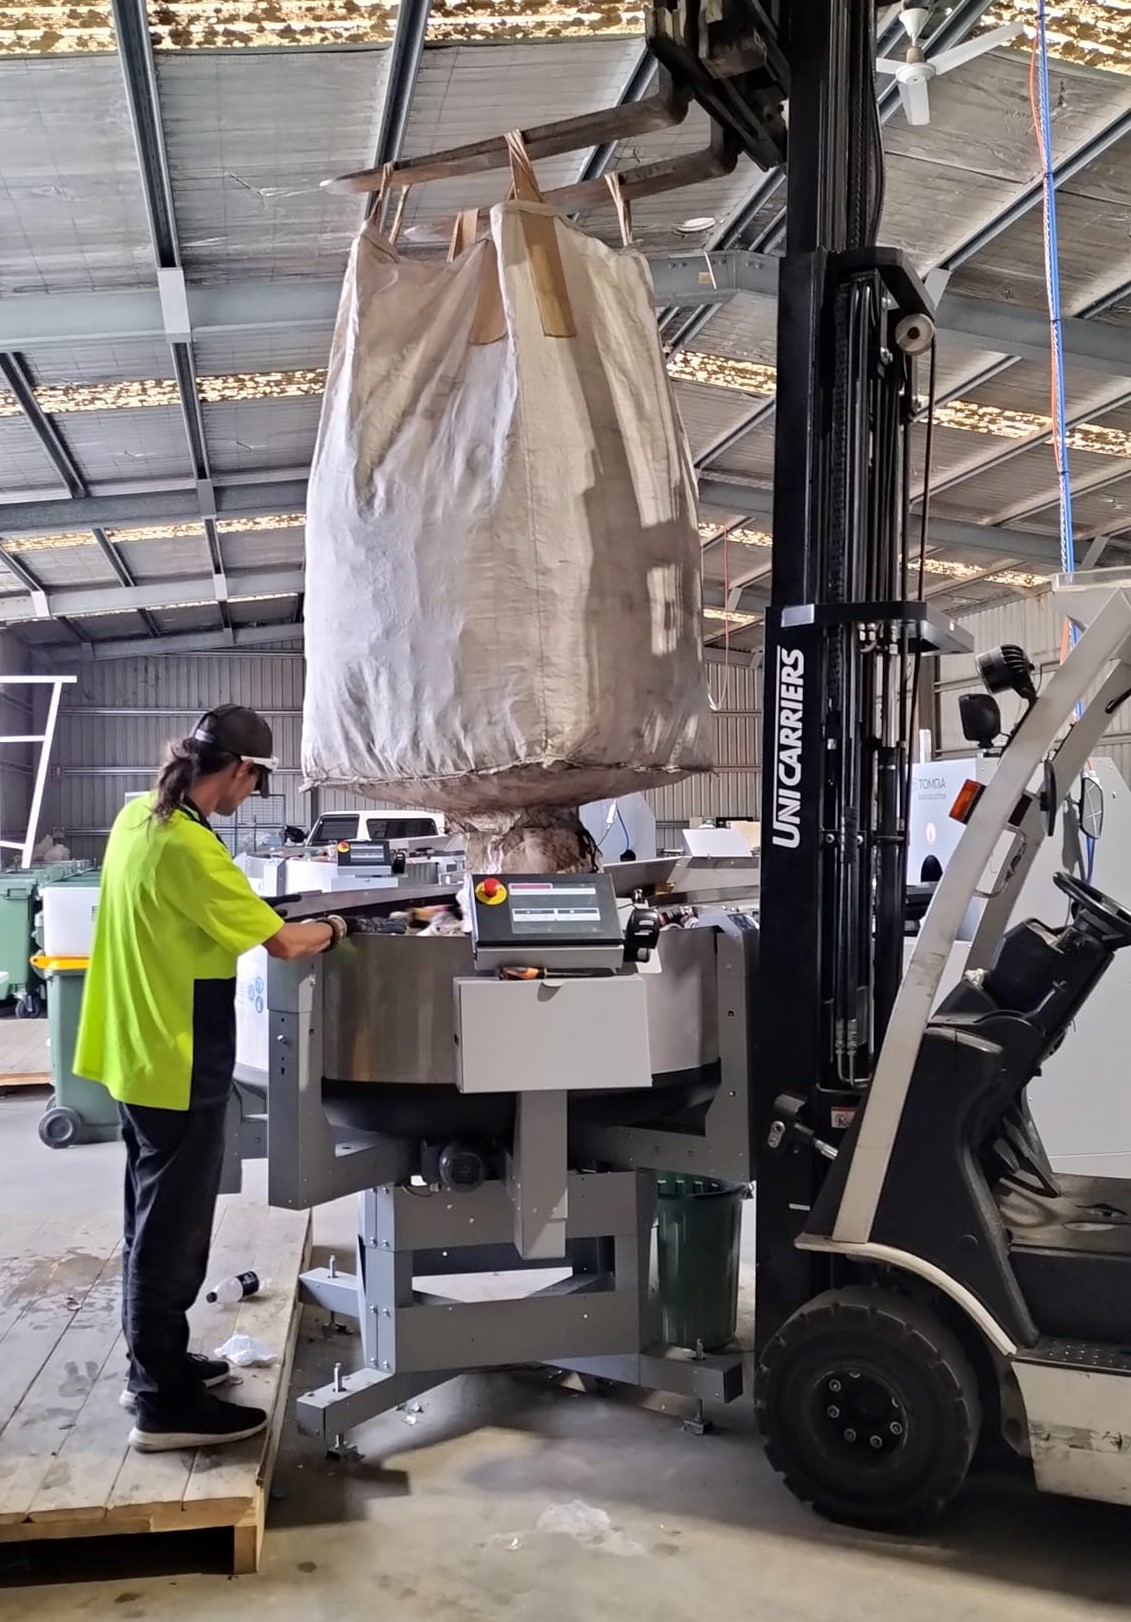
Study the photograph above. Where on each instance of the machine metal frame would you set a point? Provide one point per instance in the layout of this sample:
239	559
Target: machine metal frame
603	1319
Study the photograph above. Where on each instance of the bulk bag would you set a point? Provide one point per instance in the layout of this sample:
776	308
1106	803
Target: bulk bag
503	601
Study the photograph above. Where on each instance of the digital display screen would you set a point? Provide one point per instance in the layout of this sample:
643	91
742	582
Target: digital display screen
555	908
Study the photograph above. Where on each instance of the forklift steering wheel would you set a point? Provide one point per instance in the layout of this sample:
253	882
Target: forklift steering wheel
1101	907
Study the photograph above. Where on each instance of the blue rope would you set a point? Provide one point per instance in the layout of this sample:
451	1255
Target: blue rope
1056	338
1056	327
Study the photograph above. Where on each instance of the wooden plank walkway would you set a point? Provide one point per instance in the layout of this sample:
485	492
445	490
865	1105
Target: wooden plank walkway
66	1470
25	1059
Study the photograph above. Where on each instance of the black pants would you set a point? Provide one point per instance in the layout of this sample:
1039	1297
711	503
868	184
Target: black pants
173	1164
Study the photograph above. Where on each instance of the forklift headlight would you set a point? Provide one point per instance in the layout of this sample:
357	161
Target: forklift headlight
1008	669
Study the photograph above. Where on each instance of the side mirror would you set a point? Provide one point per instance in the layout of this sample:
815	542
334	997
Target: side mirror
1091	807
1050	796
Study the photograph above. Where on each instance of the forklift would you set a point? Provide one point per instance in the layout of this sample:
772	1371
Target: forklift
925	1281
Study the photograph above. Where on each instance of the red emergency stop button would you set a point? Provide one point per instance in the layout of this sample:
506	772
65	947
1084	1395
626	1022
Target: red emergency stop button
491	892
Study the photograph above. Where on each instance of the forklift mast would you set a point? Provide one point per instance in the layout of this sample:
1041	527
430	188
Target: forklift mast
843	641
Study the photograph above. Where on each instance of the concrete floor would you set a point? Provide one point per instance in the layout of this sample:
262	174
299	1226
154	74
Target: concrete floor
509	1498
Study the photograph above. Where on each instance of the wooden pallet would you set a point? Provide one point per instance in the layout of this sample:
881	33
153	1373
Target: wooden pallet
66	1470
24	1055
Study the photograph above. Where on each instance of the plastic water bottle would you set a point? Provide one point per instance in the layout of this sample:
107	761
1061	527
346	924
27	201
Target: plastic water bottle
236	1288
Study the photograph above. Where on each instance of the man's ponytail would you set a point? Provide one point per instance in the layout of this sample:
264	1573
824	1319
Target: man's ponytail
185	762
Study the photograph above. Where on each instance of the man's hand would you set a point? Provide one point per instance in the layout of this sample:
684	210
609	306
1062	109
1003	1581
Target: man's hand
303	940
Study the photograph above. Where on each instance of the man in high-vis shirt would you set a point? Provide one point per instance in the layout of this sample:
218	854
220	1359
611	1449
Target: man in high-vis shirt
158	1029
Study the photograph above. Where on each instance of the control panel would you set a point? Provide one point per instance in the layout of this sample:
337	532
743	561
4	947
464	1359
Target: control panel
358	853
551	921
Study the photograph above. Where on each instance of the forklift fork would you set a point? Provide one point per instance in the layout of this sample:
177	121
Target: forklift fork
718	53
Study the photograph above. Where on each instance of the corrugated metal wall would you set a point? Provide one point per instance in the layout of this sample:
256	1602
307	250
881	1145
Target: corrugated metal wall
117	720
1037	625
17	761
733	789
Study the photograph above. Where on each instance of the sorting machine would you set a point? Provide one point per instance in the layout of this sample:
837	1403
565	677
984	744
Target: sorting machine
503	1100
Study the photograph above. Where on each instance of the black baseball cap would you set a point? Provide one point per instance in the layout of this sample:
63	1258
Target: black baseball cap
237	731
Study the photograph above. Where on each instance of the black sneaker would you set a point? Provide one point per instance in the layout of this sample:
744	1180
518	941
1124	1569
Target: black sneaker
207	1422
209	1371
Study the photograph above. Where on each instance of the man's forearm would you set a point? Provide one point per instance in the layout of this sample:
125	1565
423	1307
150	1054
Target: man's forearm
302	939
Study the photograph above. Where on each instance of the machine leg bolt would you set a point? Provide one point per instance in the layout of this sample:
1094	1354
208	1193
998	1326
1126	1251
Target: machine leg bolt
338	1386
698	1424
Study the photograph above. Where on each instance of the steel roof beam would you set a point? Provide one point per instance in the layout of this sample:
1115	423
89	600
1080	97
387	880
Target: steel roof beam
405	55
13	369
118	565
73	602
39	320
139	72
34	321
1090	344
37	597
638	86
148	506
138	647
731	496
1032	196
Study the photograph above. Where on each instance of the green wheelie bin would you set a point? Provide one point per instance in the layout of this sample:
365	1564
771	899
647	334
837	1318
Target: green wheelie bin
18	896
80	1111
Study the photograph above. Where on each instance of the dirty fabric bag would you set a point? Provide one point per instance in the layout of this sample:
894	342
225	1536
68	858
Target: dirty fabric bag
503	602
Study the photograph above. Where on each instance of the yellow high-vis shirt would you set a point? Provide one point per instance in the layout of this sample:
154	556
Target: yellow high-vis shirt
158	1025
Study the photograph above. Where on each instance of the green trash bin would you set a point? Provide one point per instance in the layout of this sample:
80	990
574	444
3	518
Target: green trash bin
80	1111
18	899
698	1238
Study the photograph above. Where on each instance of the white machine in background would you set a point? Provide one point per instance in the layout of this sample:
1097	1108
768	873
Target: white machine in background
1079	1102
69	911
931	830
626	823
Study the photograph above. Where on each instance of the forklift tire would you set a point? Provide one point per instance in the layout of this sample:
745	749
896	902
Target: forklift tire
59	1128
869	1409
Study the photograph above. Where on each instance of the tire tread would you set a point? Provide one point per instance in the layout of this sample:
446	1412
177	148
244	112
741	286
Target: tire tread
921	1334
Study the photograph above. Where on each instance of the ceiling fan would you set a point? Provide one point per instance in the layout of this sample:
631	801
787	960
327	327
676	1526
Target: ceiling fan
916	71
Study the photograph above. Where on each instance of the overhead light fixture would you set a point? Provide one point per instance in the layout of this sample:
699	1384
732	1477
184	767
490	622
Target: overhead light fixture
711	534
1093	33
949	569
720	371
730	616
199	25
1090	33
240	526
692	227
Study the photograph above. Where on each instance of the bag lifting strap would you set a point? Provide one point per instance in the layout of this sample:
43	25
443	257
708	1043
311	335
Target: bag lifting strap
540	233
